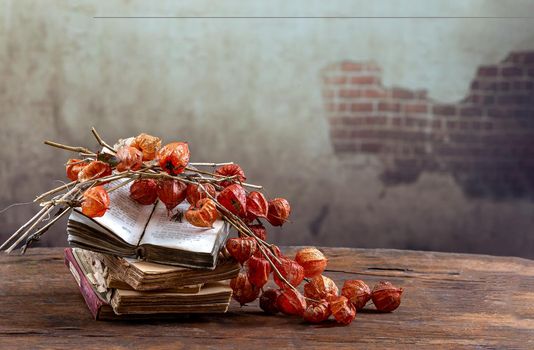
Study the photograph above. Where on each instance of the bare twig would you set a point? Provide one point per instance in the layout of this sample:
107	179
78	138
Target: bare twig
55	190
211	164
124	183
102	142
14	205
45	228
23	227
47	209
220	176
91	182
70	148
85	160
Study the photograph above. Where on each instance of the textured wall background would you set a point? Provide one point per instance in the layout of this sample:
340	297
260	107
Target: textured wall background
250	90
485	141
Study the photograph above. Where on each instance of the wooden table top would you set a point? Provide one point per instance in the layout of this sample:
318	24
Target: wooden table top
450	300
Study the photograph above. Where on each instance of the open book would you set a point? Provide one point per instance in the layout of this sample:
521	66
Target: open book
129	229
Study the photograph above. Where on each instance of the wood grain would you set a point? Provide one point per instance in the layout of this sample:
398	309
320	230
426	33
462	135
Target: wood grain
450	301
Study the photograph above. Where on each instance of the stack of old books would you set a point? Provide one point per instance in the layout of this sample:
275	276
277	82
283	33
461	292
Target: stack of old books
137	262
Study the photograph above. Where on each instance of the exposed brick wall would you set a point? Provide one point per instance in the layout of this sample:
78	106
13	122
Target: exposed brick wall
486	141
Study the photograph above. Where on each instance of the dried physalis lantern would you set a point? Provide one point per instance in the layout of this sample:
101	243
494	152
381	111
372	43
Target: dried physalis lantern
357	292
231	170
174	157
243	291
257	206
312	260
290	270
202	214
241	249
196	193
291	302
268	301
386	296
342	309
144	191
317	312
234	199
73	168
130	158
258	270
259	231
278	211
148	145
171	192
95	202
94	170
320	287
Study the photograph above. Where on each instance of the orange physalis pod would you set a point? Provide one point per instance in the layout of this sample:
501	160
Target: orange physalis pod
95	202
202	214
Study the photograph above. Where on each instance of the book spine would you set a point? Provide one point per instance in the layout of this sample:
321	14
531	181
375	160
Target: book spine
92	300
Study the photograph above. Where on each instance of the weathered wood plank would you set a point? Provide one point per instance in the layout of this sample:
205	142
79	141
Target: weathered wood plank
451	300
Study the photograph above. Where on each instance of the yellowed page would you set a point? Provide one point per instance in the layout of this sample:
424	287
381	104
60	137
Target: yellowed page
125	217
161	231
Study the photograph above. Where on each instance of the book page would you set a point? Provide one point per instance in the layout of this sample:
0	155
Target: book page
162	231
147	267
214	289
125	217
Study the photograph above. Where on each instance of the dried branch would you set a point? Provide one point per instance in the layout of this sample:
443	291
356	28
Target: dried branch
55	190
70	148
23	227
102	142
47	209
221	176
211	164
39	232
